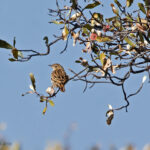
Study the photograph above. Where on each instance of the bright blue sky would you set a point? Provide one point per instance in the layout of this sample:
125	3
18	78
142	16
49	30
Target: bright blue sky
28	21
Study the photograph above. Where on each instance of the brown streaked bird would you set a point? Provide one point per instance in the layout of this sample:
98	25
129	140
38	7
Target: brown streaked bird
59	77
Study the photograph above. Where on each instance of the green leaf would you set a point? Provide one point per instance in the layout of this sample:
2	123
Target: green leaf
129	42
142	8
65	33
4	44
90	6
32	80
77	61
85	31
141	37
111	19
132	35
102	57
103	39
118	3
117	24
44	110
115	53
51	103
15	53
57	22
129	3
12	59
129	17
87	26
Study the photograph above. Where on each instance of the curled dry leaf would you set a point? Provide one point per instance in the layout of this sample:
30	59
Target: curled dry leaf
113	68
87	48
65	33
32	78
50	91
110	115
140	27
75	16
84	63
15	53
75	37
107	63
42	99
115	11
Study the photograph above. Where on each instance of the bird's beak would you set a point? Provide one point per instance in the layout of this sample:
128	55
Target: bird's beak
50	65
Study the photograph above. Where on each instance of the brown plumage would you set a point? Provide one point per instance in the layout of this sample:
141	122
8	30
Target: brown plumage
59	77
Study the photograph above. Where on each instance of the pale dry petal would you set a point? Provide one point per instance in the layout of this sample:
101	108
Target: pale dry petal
107	63
110	107
144	79
31	87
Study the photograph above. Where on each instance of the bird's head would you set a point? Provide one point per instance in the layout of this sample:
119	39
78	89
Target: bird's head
56	66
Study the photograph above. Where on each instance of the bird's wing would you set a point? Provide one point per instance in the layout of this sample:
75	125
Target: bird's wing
59	76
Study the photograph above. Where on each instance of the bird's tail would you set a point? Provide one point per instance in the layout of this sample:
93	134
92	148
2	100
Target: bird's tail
62	88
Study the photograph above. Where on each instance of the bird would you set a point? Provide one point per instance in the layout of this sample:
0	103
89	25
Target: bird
58	77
